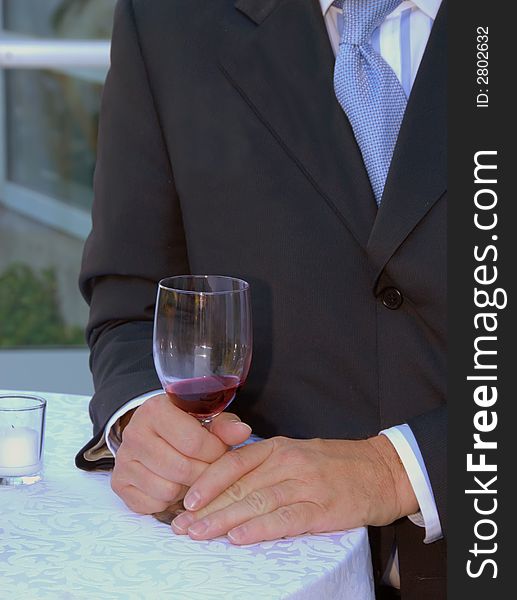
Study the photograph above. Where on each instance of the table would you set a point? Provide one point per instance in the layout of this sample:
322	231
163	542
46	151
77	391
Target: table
70	537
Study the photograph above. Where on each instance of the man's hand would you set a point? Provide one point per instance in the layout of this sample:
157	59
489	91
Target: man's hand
284	487
164	450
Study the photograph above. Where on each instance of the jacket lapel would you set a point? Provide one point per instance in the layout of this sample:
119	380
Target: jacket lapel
278	56
418	173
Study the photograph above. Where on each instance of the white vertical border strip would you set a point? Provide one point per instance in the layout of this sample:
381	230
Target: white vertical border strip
3	130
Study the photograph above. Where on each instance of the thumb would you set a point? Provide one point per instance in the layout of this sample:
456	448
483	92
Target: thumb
230	429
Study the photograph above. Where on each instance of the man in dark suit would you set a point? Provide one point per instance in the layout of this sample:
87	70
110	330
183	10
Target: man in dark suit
229	145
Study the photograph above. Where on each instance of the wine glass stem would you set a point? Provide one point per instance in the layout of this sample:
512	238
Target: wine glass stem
205	422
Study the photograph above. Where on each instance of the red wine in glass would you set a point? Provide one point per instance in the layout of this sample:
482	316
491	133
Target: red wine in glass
203	397
202	342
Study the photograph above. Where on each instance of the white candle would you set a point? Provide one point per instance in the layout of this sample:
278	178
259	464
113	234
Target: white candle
19	451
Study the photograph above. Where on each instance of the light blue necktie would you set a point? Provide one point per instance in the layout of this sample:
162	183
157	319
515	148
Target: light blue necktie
367	88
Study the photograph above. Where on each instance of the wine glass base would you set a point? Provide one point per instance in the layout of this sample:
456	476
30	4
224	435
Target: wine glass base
170	513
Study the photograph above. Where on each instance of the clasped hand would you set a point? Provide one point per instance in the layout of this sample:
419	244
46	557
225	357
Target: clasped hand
164	451
284	487
266	490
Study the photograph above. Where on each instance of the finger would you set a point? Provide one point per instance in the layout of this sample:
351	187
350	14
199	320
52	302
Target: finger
255	480
139	502
286	521
228	470
256	503
229	497
138	475
160	457
180	430
230	429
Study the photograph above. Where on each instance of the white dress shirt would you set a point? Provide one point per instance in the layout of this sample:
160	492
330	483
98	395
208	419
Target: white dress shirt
401	40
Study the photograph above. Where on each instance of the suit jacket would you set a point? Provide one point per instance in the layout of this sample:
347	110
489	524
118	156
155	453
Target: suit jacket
223	150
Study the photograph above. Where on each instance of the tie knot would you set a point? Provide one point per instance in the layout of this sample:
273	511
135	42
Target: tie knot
362	17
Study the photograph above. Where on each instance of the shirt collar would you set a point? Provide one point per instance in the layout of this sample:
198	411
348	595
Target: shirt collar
429	7
325	5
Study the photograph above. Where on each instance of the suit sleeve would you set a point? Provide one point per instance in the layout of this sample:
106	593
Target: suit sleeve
430	431
137	236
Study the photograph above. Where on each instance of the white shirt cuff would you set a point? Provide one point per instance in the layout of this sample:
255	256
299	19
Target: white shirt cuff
407	448
112	431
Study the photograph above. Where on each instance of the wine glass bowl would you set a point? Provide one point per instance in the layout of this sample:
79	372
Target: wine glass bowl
202	342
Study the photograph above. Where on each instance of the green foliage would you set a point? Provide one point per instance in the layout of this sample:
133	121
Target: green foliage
29	310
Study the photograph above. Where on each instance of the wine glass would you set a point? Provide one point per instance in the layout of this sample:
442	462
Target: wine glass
202	346
202	341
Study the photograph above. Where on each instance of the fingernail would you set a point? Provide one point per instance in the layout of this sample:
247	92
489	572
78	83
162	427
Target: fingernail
199	527
182	521
192	499
235	535
243	426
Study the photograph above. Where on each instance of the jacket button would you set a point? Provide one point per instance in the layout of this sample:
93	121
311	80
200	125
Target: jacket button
391	298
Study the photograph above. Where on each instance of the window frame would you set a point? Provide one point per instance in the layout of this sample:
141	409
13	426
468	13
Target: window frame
40	207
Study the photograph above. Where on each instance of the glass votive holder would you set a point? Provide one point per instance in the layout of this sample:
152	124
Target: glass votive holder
22	428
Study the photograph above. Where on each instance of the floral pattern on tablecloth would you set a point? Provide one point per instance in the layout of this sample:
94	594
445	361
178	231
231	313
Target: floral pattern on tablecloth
70	537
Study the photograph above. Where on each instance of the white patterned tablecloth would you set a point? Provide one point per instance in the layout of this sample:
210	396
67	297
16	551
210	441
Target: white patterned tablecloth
70	537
